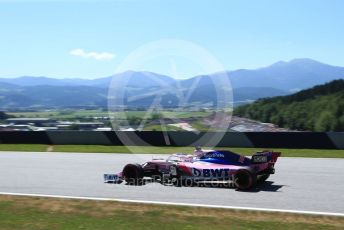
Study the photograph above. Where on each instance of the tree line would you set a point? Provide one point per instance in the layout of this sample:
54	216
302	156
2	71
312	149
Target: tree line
320	108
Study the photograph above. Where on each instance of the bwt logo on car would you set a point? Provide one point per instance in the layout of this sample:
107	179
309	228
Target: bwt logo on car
210	172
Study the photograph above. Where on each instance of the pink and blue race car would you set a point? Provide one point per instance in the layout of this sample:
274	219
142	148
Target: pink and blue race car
204	166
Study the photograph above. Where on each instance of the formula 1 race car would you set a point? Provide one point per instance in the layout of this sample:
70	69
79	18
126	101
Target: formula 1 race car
212	166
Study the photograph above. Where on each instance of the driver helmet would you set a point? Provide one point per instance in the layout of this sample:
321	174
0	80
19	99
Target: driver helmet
198	151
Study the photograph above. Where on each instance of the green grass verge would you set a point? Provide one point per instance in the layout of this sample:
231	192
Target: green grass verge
163	150
51	213
161	128
23	147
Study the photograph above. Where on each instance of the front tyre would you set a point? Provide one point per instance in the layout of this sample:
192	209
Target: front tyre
133	174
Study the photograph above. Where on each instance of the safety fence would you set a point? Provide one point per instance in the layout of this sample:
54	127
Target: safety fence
312	140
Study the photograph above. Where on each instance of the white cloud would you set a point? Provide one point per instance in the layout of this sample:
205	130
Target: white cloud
100	56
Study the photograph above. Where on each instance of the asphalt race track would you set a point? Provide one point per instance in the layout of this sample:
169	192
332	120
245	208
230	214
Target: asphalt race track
304	184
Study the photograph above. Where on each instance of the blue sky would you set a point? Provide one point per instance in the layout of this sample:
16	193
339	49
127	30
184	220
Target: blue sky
89	39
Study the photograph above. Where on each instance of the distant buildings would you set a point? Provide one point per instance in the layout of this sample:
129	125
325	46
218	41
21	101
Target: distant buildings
234	124
31	121
45	124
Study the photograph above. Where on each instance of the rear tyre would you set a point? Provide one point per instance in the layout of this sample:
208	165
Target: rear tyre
244	179
133	174
262	178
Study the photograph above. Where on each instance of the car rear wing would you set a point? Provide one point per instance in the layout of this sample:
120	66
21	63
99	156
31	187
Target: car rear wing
275	156
266	156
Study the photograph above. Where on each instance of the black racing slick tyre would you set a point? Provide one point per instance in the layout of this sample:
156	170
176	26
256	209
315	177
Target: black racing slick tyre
244	179
133	174
262	178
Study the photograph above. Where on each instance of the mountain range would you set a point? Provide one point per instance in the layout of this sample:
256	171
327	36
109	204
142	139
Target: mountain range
141	88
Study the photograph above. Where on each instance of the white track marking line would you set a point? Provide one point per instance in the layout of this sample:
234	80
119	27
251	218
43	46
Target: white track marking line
178	204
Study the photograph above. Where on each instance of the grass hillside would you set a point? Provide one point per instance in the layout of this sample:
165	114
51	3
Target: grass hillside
320	108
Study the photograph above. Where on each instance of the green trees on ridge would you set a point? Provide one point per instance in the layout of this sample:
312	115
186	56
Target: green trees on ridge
320	108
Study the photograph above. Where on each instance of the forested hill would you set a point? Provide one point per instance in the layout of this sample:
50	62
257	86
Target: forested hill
320	108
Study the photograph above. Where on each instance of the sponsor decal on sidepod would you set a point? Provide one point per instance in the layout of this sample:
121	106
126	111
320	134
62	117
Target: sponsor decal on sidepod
210	172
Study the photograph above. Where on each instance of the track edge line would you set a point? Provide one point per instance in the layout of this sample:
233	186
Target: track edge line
178	204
